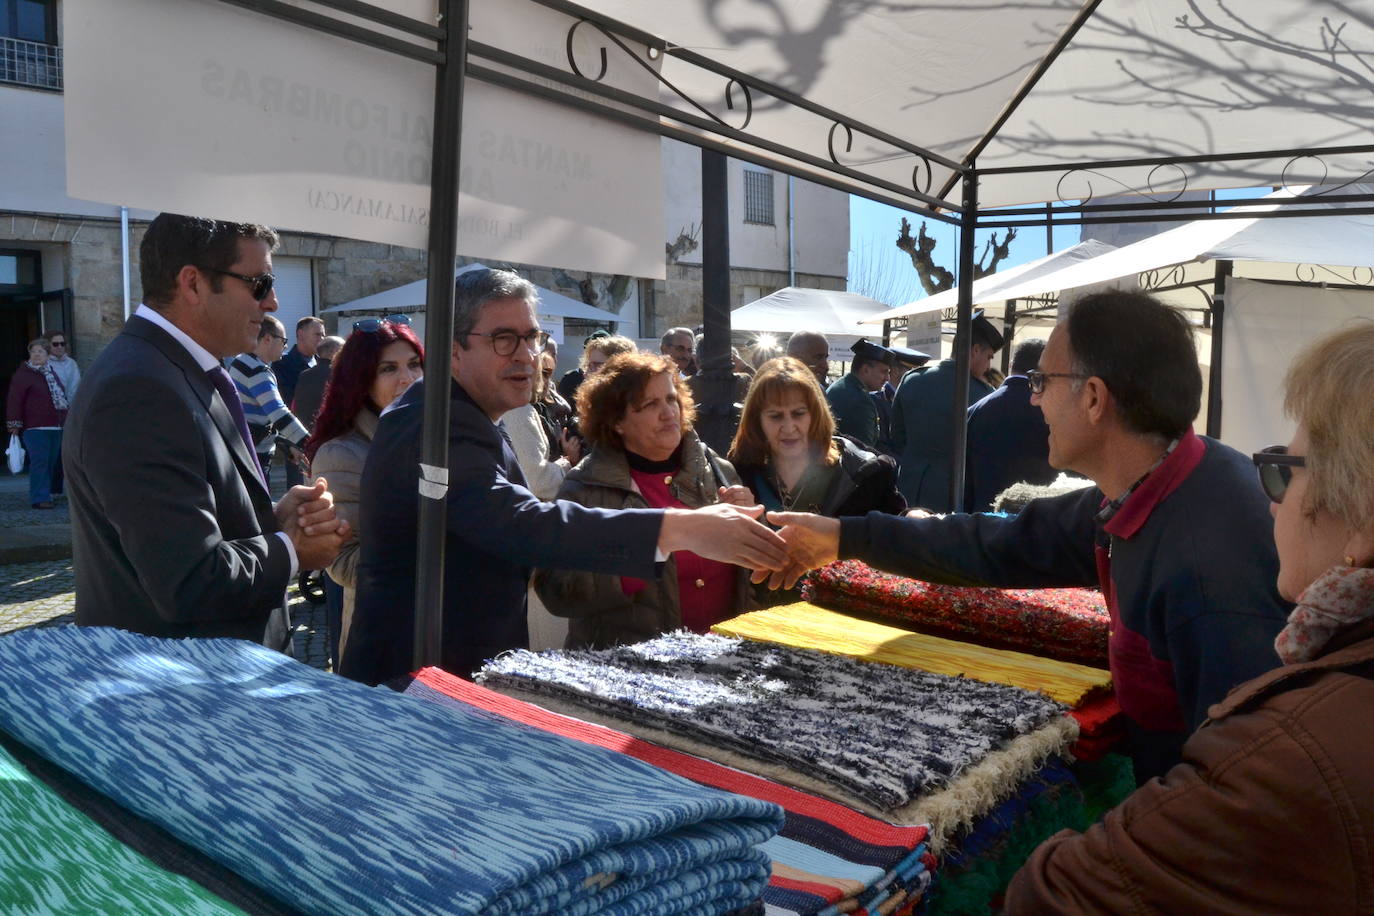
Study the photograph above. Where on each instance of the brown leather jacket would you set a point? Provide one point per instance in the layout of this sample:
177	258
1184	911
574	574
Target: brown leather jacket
1271	811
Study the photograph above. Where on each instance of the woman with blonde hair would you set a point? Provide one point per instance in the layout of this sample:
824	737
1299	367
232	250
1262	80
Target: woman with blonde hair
636	413
1272	808
788	454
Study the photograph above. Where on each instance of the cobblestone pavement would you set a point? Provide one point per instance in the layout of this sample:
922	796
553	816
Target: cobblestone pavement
41	595
15	511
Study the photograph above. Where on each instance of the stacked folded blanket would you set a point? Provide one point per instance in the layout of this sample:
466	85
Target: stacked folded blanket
887	740
1064	623
339	798
806	626
826	857
54	859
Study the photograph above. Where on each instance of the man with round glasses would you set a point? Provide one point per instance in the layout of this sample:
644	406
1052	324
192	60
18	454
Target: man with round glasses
174	533
1176	533
497	530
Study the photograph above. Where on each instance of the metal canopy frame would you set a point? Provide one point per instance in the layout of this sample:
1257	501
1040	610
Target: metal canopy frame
446	46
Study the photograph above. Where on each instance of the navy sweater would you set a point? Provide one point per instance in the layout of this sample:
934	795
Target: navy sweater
1188	567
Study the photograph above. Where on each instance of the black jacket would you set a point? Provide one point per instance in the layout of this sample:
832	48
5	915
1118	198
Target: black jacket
173	532
496	531
1008	442
862	482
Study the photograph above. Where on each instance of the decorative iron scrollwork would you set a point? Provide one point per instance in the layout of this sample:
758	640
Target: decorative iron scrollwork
918	184
1296	187
1161	277
1149	191
653	53
1321	273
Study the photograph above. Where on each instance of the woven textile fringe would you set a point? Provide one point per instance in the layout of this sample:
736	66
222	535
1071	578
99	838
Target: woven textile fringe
55	859
826	856
1064	623
945	811
284	774
881	733
806	626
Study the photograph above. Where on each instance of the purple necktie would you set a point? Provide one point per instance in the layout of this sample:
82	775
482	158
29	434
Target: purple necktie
225	385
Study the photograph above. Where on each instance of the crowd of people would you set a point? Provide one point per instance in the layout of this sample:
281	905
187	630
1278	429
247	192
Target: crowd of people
1241	602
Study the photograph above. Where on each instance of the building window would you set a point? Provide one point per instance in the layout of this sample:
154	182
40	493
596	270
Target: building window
29	55
758	197
29	20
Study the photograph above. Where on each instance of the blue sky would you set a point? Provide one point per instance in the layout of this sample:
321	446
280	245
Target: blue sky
879	269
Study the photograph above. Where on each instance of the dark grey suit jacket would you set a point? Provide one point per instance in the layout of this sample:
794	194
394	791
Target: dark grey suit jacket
173	532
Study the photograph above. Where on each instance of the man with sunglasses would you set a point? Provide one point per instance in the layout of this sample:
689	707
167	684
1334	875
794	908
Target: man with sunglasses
497	530
1176	533
174	533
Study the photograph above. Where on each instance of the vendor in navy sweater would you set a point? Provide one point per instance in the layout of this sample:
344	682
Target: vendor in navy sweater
1177	532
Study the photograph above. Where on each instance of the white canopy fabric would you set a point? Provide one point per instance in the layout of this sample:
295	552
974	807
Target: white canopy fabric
411	298
1334	239
1012	283
1134	79
798	309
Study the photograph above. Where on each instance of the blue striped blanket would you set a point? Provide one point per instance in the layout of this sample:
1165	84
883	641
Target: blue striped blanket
339	798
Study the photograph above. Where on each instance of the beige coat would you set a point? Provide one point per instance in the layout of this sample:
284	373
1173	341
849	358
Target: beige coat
340	461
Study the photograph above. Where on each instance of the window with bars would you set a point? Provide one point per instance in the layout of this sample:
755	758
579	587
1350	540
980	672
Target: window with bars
29	55
758	197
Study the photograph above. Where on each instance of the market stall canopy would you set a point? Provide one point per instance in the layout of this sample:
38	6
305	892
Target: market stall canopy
411	298
1335	239
1012	283
1052	84
794	308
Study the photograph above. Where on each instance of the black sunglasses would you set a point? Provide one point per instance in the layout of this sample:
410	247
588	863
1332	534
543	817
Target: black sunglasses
373	325
1275	468
261	284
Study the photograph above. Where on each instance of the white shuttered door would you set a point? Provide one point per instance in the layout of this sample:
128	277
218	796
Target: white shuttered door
295	288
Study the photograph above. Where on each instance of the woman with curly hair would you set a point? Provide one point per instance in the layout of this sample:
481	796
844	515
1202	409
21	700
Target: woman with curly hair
636	414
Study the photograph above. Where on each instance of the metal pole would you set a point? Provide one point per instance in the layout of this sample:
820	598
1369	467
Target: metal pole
1223	273
962	337
124	258
443	249
1008	331
716	387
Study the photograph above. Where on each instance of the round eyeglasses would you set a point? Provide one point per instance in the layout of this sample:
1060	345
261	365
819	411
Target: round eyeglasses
505	342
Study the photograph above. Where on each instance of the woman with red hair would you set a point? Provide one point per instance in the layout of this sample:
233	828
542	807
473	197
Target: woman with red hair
378	362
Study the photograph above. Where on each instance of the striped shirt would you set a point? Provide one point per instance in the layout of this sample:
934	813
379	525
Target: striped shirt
262	403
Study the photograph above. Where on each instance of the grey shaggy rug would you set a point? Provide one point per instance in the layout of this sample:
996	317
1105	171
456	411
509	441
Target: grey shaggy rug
881	733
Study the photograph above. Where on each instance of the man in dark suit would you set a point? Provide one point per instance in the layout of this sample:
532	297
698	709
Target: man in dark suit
173	531
310	386
497	530
923	419
856	415
1008	439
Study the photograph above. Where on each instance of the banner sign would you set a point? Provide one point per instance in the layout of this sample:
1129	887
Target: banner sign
197	106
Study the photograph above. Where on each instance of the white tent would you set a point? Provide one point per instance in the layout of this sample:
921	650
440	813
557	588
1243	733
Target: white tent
410	298
797	309
1336	239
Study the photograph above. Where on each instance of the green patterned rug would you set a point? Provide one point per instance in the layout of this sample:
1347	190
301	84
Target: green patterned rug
54	859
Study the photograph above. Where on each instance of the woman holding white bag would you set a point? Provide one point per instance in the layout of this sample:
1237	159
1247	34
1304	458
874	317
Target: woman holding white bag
37	408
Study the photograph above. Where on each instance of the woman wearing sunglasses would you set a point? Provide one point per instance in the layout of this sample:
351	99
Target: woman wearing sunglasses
378	362
1272	810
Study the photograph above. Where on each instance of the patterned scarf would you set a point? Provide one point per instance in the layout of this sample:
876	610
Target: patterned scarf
56	390
1338	598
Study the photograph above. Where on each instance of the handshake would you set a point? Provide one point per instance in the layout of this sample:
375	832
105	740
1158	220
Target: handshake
732	533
